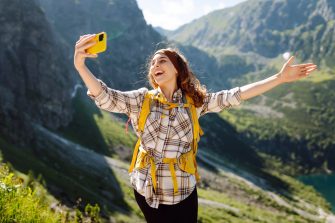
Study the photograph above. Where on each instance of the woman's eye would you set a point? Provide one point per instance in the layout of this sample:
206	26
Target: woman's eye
159	61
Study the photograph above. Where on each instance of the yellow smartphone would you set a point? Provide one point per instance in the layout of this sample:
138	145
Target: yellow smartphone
100	46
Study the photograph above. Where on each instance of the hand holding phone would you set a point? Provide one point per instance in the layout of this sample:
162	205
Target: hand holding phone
101	44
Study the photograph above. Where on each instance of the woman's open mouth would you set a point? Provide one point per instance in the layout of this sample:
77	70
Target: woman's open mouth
158	73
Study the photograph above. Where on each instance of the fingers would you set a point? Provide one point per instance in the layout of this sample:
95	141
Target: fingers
310	69
81	37
88	55
84	39
303	66
91	55
306	64
84	43
290	60
87	45
307	70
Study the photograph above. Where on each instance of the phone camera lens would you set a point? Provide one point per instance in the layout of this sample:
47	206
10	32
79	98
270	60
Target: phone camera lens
101	37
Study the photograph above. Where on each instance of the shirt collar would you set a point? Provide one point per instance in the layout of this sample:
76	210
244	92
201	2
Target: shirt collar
176	97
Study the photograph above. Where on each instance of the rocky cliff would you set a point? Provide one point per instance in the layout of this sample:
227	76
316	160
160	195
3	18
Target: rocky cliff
35	83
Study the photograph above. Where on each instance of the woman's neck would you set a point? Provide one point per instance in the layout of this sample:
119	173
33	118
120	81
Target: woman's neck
168	91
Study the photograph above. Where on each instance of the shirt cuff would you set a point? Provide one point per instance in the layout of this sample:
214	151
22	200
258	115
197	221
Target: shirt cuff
101	95
236	96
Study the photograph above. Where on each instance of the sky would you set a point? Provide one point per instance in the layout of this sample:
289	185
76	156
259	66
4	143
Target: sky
170	14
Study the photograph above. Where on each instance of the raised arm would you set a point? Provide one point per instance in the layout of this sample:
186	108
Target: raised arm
288	73
80	55
128	102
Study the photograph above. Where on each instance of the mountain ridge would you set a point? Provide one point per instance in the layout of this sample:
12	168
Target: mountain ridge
274	22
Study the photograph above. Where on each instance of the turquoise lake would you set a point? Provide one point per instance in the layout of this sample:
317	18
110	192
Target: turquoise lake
325	184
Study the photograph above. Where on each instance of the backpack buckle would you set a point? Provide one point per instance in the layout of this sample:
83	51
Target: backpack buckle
180	106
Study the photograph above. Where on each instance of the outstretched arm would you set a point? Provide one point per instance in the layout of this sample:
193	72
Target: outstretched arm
80	55
288	73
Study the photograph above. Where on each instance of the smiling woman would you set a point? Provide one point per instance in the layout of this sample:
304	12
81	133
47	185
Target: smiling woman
169	70
163	171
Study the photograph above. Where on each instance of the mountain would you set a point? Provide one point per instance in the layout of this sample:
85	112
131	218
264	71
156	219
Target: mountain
162	31
130	43
34	83
293	121
267	28
82	153
130	40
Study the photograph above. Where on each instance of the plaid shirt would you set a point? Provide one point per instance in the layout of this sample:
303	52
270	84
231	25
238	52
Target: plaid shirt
167	133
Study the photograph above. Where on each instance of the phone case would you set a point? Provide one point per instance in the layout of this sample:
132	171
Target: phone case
101	44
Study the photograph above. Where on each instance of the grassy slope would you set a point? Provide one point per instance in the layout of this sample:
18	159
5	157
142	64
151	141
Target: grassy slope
95	129
307	119
20	203
253	205
309	124
25	199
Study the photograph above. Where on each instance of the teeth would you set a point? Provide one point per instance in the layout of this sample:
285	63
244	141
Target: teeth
159	73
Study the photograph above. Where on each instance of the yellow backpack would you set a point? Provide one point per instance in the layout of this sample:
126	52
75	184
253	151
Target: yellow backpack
186	161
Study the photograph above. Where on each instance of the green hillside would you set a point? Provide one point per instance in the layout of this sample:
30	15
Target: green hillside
227	192
267	28
293	122
79	155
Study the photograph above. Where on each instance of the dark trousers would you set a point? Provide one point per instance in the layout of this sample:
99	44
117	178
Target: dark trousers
185	211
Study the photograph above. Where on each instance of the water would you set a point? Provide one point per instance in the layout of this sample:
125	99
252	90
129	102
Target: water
325	184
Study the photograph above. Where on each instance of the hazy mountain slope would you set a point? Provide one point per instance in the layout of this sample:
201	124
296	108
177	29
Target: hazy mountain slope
267	28
130	39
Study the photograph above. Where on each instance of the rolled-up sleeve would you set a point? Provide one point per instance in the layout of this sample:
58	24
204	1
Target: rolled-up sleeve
128	102
216	102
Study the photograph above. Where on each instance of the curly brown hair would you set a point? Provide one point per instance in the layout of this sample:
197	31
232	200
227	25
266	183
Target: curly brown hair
186	80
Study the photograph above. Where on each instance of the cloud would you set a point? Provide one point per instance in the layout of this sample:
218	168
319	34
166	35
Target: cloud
170	14
165	20
178	7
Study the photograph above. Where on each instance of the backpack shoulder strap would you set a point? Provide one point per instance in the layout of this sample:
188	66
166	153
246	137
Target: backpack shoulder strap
195	122
197	132
145	110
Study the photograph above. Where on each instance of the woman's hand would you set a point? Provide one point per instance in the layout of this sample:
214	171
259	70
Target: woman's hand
290	73
79	54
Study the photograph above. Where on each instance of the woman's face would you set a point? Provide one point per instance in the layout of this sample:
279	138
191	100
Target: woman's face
163	71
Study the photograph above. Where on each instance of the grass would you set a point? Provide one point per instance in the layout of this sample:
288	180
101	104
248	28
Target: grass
113	132
248	212
308	124
20	202
110	132
76	188
97	129
75	185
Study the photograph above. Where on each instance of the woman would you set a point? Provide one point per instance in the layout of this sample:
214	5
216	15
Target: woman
164	191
